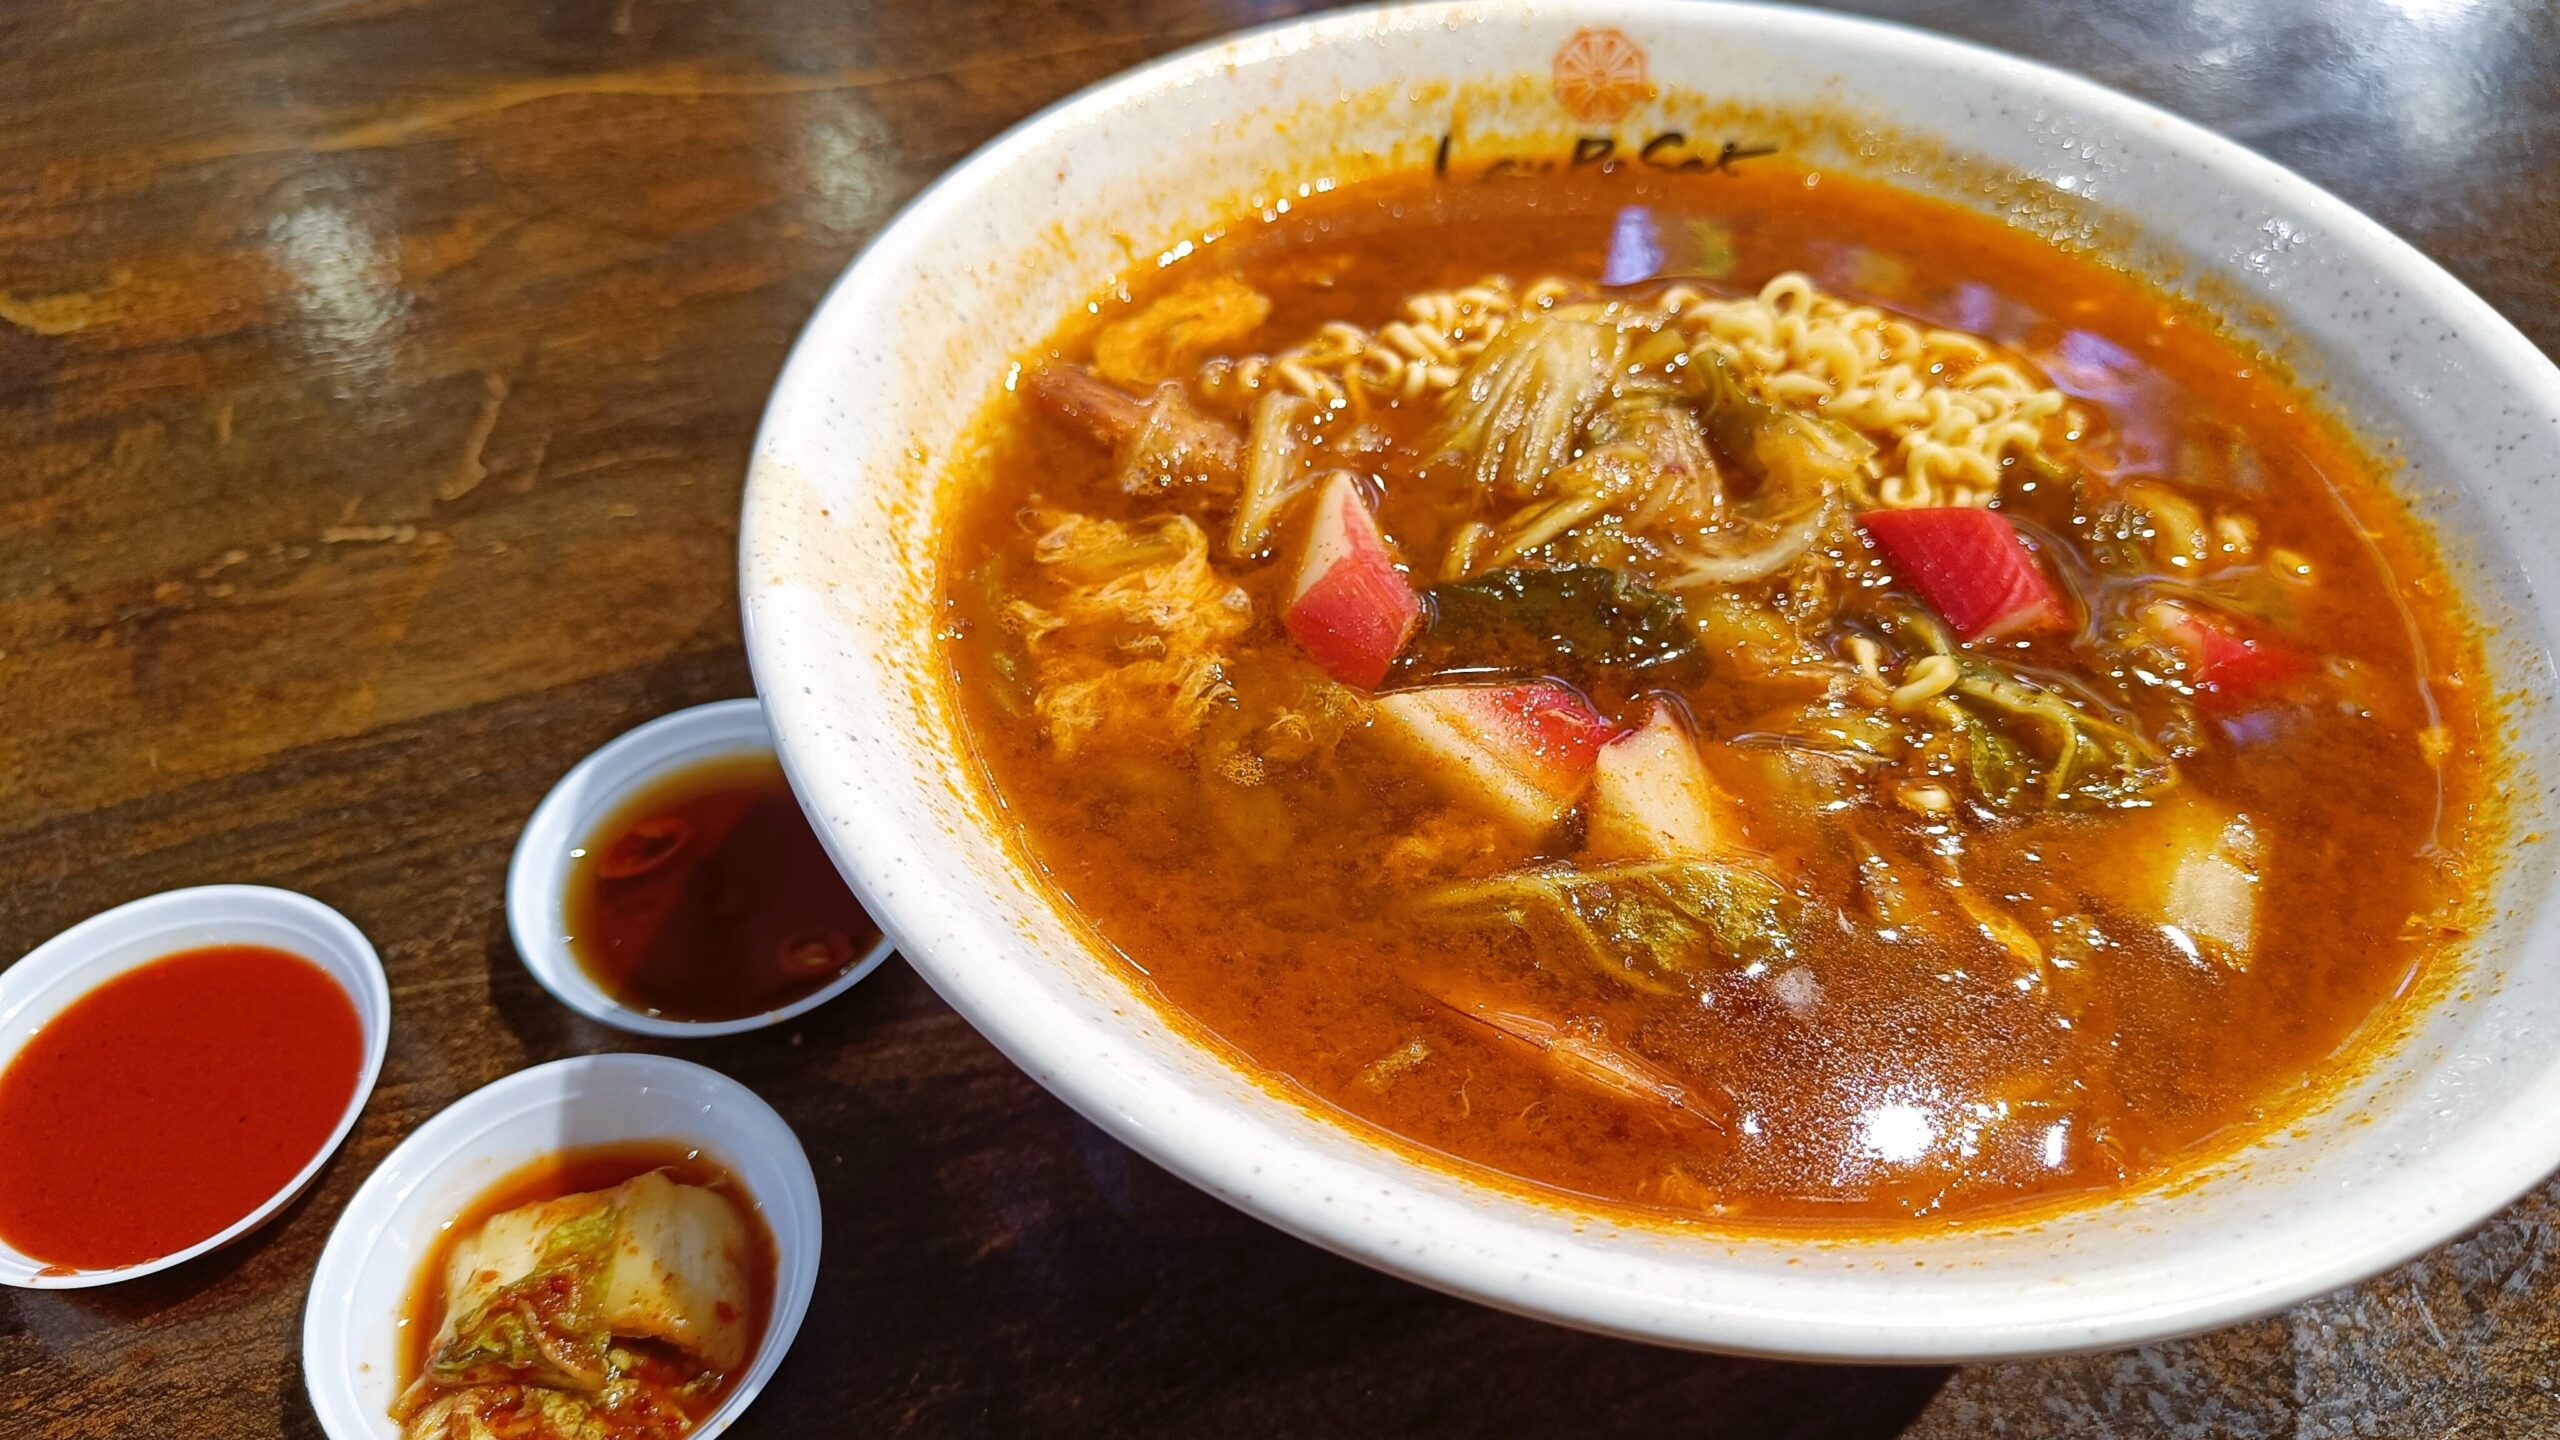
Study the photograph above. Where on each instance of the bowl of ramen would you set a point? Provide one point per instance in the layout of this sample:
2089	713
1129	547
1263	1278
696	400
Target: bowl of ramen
1726	675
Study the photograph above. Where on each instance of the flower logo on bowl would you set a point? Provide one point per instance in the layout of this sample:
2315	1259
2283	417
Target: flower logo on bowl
1600	75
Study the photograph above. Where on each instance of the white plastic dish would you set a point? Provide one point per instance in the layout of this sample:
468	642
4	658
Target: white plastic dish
538	875
838	558
75	962
351	1326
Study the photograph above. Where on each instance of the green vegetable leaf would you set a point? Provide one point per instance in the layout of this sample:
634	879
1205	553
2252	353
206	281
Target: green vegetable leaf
2001	773
1799	458
543	1325
2078	759
1655	923
1522	403
1581	623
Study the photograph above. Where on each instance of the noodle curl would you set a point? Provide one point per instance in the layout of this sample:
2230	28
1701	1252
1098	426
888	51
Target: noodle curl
1949	413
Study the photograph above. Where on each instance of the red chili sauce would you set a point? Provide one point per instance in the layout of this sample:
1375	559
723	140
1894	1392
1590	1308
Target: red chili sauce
171	1101
708	897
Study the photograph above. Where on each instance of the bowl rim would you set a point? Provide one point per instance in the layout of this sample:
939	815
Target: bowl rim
351	964
446	1137
538	870
1091	1067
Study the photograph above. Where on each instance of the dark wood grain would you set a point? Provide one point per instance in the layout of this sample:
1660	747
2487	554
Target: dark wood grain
376	378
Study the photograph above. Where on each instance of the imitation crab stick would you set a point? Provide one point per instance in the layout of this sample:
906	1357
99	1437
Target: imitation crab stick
1349	608
2228	661
1971	566
1520	753
1652	798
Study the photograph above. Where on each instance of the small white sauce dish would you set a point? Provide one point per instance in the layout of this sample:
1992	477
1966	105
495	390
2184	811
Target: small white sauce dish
69	966
538	876
352	1327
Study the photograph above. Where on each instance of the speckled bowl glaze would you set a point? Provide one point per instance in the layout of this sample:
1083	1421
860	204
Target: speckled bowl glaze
838	559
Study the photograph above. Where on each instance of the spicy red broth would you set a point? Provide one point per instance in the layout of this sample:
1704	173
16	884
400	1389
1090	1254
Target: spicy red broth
2017	770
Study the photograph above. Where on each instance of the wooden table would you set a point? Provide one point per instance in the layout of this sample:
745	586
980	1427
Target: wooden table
376	377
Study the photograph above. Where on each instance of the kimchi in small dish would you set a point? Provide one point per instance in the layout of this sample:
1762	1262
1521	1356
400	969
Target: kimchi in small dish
610	1292
610	1247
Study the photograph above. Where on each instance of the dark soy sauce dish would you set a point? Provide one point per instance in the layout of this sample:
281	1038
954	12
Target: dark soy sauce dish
707	897
171	1102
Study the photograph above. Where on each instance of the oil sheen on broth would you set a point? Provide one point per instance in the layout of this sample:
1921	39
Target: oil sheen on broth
1759	697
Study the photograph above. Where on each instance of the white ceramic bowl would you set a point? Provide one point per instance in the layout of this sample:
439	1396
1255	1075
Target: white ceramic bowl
538	876
838	557
53	975
351	1325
